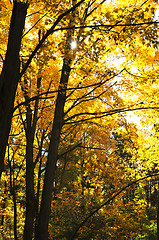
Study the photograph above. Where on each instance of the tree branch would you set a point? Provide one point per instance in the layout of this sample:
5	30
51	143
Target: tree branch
105	113
108	201
49	32
107	26
63	90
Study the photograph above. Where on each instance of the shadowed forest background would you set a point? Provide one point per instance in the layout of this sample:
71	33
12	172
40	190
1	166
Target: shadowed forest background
79	120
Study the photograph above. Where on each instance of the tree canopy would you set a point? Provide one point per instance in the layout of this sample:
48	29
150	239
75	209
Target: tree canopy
79	119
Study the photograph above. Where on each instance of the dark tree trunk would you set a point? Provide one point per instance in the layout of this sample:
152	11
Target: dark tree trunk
42	229
10	75
30	196
13	193
30	128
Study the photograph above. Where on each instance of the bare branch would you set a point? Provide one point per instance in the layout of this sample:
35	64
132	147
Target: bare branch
105	114
63	90
108	25
34	24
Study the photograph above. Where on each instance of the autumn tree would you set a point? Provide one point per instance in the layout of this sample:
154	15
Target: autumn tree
64	65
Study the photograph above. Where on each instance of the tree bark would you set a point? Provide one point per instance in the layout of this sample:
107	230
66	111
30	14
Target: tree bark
43	220
30	195
30	128
10	75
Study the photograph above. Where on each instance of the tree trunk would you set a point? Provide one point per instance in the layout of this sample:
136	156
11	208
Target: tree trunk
43	221
10	75
15	212
30	195
30	128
